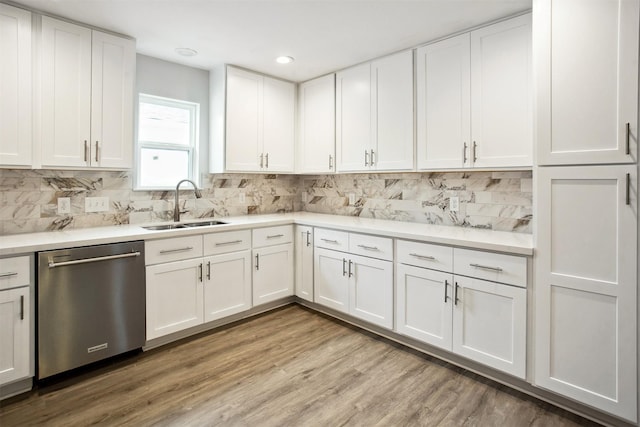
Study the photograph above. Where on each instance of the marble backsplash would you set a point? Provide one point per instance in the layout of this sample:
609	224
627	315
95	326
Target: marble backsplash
491	200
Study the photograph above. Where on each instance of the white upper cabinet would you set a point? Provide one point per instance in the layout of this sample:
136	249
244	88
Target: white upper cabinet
316	143
587	81
15	86
374	115
474	99
87	97
260	127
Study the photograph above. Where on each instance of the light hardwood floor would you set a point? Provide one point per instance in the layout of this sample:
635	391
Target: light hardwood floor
289	367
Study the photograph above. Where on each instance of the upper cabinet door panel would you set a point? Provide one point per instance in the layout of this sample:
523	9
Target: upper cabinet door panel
244	120
392	92
501	94
443	103
113	69
66	93
15	86
279	125
317	136
587	78
353	118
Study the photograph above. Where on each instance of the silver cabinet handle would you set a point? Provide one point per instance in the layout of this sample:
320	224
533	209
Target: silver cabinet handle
329	241
97	151
200	268
366	158
455	294
266	161
96	259
446	284
232	242
371	158
350	272
308	240
486	267
257	262
369	248
86	147
275	236
208	270
170	251
344	267
6	275
475	153
429	257
628	191
261	160
21	307
464	153
330	161
628	150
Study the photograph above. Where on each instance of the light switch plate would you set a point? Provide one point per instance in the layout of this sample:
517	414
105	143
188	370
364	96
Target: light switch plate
454	204
352	199
64	205
96	204
241	198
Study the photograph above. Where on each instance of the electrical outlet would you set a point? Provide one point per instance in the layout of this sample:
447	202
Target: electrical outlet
352	199
454	204
64	205
96	204
304	197
241	198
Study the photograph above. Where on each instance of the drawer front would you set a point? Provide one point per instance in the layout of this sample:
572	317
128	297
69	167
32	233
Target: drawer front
14	272
435	257
272	236
231	241
176	249
331	239
509	269
371	246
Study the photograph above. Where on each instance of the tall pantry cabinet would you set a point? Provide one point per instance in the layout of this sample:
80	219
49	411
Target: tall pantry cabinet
586	265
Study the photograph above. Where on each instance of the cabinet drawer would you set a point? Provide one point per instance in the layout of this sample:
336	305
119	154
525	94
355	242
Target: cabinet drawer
425	255
272	236
502	268
371	246
331	239
176	249
231	241
14	272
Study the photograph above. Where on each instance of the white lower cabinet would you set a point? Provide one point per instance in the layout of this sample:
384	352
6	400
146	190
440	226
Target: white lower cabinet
304	262
354	284
227	286
482	320
272	263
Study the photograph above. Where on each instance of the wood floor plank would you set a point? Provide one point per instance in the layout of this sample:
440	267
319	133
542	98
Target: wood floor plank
289	367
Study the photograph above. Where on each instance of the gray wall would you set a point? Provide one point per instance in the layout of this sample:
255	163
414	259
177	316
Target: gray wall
170	80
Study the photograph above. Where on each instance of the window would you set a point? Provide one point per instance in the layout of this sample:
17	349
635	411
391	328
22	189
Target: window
167	142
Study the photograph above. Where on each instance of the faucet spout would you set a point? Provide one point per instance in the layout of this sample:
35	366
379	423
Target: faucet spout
176	209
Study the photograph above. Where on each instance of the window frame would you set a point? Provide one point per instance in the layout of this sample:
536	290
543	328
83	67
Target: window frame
192	149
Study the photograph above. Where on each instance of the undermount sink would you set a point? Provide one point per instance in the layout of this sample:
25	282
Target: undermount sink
187	225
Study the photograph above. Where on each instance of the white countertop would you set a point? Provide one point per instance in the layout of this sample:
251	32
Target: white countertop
500	241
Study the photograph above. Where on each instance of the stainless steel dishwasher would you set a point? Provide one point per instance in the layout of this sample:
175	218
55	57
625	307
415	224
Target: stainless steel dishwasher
91	305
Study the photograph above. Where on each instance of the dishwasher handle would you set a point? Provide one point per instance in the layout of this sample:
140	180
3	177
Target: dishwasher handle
96	259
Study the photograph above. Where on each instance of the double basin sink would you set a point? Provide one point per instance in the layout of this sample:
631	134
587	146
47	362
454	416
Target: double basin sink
183	225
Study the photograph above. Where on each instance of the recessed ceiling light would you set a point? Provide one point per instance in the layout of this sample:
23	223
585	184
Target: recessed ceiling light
185	51
284	59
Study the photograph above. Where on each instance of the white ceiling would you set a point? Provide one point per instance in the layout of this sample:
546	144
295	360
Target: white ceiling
322	35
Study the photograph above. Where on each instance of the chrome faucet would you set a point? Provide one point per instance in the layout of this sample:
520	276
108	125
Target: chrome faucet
176	209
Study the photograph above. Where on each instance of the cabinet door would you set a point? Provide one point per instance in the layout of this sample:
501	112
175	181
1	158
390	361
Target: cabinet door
15	86
317	133
501	94
353	118
15	315
330	280
272	273
392	94
174	297
113	68
490	324
423	305
586	285
371	290
444	104
587	81
279	125
243	139
304	262
227	287
66	93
